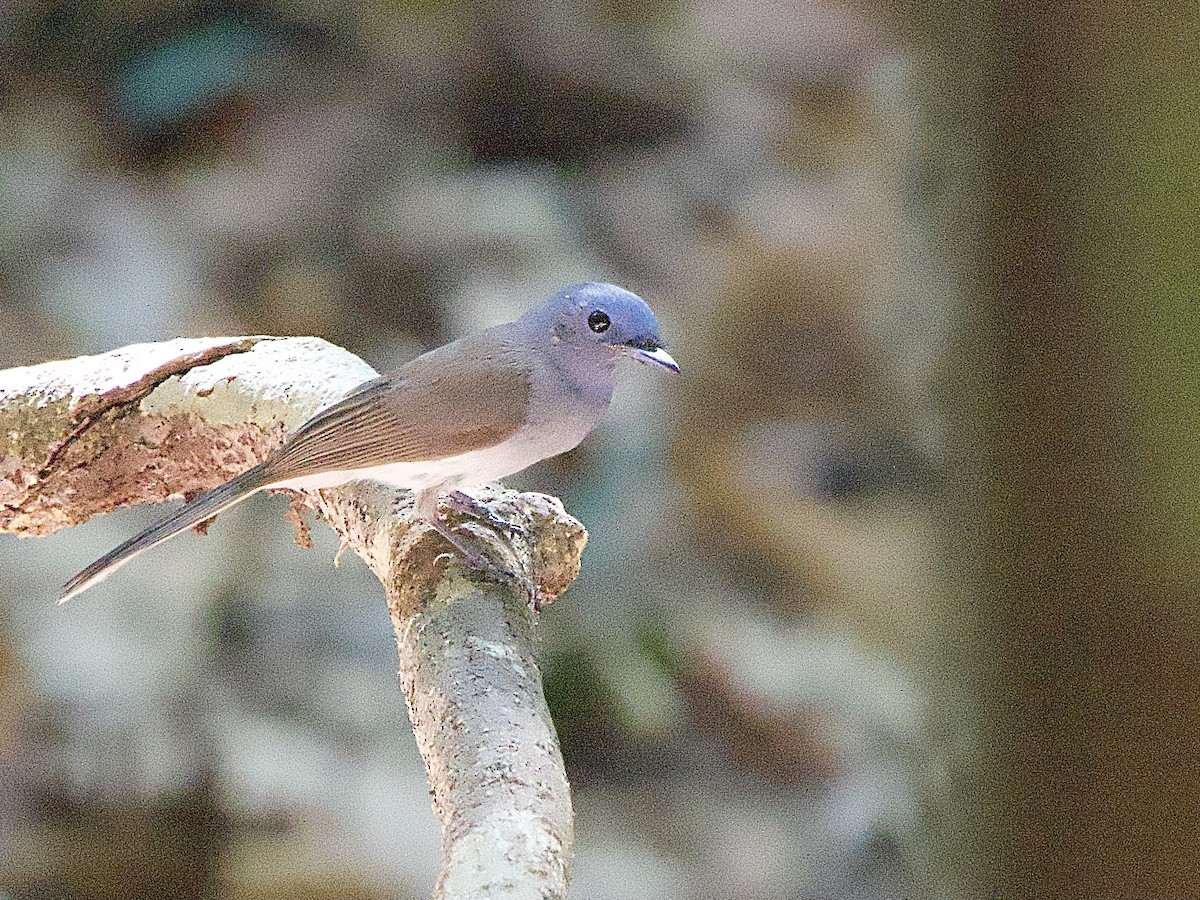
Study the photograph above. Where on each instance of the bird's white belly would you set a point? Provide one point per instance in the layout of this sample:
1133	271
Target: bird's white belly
466	469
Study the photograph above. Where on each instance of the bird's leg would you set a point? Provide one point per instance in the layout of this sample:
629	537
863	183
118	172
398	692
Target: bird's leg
472	554
465	505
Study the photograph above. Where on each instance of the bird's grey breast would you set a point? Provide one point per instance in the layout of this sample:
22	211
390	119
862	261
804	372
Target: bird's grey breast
565	403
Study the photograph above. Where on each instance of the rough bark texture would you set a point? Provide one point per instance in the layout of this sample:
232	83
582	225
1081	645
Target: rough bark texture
468	665
469	669
84	436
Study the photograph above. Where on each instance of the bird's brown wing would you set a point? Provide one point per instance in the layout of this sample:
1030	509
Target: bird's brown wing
459	398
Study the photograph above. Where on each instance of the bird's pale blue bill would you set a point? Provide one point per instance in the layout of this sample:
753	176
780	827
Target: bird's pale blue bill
653	355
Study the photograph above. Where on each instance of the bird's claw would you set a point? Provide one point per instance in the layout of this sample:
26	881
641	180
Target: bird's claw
465	505
480	563
471	555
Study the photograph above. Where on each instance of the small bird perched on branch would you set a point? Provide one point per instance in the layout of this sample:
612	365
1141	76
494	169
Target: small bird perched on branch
470	412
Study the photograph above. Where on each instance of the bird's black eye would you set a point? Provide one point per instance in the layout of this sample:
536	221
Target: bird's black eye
599	321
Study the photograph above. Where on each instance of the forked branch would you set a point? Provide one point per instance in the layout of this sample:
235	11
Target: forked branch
152	421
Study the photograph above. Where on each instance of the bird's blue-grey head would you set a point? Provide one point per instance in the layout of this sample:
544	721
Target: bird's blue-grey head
603	321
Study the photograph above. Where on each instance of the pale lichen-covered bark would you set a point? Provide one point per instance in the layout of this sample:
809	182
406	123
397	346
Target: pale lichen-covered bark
141	424
468	665
88	435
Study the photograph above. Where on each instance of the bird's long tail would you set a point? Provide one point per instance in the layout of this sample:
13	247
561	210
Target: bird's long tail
190	514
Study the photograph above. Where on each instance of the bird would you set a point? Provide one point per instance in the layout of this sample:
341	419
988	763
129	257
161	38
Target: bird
472	411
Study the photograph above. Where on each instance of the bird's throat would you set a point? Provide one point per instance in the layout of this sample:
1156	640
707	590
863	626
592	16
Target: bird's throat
588	373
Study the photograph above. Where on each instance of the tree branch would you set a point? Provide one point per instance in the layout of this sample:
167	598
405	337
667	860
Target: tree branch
88	435
468	665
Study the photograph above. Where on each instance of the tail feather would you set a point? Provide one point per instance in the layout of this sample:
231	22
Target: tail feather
190	514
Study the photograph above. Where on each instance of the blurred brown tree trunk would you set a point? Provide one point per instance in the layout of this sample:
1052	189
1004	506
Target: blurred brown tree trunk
1090	693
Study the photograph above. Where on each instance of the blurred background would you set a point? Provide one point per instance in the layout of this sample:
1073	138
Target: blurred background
890	595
